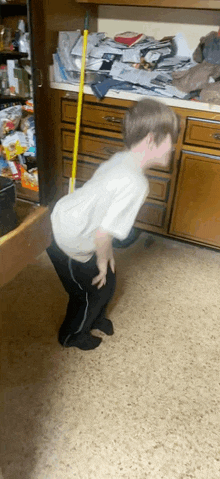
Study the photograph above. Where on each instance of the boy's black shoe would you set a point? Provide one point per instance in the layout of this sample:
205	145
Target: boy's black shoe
104	325
84	341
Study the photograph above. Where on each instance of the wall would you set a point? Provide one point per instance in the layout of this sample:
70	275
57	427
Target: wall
158	22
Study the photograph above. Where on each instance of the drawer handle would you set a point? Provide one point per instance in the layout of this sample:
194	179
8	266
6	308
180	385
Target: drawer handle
112	119
71	94
109	151
216	136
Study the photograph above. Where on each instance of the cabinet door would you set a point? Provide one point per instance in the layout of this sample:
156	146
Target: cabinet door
20	246
43	115
196	213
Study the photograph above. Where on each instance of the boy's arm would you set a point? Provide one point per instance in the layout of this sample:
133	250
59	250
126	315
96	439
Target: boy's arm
104	253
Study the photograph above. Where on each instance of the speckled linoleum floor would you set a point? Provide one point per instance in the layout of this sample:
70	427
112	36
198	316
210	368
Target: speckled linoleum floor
146	403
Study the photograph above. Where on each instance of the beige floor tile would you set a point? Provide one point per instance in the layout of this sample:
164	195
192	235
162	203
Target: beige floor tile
145	404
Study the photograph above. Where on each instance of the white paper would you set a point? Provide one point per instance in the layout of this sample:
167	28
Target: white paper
121	71
66	42
93	40
181	44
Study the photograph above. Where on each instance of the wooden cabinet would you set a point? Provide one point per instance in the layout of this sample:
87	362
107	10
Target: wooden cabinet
184	200
196	206
196	214
100	138
202	133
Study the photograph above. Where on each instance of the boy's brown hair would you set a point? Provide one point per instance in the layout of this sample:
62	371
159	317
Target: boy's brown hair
149	116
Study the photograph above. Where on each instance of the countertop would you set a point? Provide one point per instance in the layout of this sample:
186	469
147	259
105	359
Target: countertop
125	95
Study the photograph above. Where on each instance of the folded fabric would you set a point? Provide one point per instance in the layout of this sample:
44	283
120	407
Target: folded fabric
101	87
211	93
196	78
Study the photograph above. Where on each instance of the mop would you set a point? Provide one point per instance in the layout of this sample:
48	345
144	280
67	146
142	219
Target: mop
79	105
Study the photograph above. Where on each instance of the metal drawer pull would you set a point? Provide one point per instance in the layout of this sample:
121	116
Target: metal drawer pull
71	94
112	119
109	151
216	136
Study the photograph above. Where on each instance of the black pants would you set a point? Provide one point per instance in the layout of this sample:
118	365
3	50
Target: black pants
87	303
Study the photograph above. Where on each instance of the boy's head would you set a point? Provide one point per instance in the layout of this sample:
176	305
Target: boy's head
149	116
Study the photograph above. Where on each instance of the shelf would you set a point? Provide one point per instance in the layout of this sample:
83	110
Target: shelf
10	54
14	3
26	194
11	99
192	4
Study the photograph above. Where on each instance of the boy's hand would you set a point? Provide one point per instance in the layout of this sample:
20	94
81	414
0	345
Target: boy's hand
100	280
104	252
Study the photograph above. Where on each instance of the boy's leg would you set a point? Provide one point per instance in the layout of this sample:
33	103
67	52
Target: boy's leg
96	299
60	263
101	322
86	303
77	298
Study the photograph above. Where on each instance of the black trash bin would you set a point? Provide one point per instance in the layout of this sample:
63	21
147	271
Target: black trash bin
7	205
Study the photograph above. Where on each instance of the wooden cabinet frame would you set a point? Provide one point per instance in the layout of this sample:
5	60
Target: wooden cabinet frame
189	4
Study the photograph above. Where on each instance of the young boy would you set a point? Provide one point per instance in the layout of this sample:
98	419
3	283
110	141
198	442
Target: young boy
85	222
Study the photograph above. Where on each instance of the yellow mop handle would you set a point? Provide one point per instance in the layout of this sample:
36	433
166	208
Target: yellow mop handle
79	106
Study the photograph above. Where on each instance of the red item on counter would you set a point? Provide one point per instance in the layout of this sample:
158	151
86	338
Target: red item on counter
129	38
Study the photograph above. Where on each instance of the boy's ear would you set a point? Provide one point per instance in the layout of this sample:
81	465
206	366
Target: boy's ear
150	140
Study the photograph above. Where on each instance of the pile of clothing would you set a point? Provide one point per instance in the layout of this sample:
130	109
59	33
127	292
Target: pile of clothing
141	64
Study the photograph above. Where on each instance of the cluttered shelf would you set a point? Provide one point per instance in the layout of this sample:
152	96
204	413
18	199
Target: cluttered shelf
18	162
132	64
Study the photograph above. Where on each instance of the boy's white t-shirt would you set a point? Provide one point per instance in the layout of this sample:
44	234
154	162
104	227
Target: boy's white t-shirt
110	200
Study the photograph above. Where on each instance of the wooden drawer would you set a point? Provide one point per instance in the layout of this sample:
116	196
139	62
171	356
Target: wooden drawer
84	170
149	213
24	243
152	214
165	169
99	147
159	188
65	185
202	133
93	115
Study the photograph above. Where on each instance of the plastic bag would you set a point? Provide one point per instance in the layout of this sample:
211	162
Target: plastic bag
10	119
14	144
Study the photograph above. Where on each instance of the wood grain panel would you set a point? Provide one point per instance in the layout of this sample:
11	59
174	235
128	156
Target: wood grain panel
196	212
159	188
203	133
95	115
84	170
98	147
197	4
152	214
24	243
